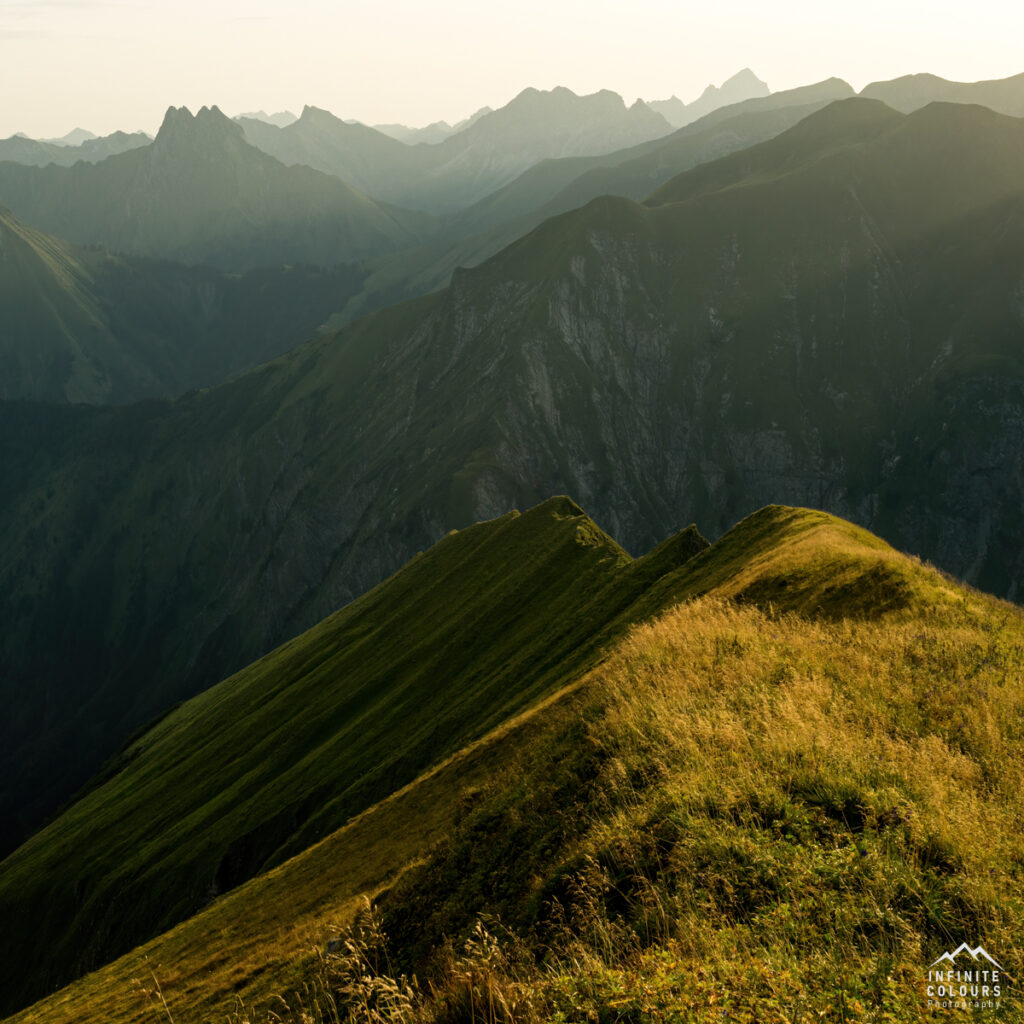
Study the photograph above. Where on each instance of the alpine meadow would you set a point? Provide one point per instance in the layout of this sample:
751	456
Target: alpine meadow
516	534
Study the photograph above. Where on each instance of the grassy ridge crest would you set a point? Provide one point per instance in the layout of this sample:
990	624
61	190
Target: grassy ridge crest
765	762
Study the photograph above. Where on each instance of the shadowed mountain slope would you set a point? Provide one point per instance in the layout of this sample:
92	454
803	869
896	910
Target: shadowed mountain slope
832	318
85	325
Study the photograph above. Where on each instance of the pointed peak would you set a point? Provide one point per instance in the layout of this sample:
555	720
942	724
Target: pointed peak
317	115
744	85
743	77
179	123
560	505
213	115
174	117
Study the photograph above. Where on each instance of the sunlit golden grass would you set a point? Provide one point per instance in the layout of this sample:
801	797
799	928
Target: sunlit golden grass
781	815
756	808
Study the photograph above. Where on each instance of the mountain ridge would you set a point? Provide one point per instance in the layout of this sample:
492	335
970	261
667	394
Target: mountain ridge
911	92
492	148
605	354
780	616
199	193
741	86
489	616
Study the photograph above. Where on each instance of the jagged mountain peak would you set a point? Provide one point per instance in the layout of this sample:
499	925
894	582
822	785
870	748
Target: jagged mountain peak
208	122
312	115
741	86
560	96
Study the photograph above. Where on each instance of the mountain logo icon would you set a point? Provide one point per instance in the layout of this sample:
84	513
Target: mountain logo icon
977	953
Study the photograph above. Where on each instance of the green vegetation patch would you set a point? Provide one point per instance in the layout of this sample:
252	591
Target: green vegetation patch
259	768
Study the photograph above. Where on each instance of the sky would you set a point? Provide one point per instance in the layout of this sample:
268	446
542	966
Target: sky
118	64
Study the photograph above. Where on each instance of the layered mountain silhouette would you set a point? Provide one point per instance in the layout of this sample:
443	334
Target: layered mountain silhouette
201	194
281	119
75	137
437	131
484	155
829	318
86	325
744	85
71	149
911	92
555	186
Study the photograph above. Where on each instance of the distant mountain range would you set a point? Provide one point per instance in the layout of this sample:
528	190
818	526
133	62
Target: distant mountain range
744	85
167	341
554	186
488	152
437	131
75	137
65	152
281	119
201	194
1006	95
831	318
86	325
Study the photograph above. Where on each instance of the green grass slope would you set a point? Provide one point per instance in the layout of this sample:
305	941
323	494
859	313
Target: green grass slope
779	797
832	319
86	325
201	194
263	765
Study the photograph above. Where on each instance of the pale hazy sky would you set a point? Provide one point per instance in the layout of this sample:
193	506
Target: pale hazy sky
107	64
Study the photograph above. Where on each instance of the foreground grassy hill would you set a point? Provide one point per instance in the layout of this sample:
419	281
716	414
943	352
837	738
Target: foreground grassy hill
268	762
787	790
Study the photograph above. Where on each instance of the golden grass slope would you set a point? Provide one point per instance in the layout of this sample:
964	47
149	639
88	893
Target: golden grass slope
780	800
